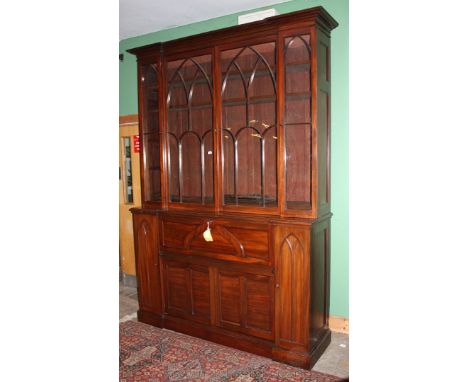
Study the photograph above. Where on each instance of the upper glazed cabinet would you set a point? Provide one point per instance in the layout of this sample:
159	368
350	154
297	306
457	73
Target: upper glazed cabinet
239	121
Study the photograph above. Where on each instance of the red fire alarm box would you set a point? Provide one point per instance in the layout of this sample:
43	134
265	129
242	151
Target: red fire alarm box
136	143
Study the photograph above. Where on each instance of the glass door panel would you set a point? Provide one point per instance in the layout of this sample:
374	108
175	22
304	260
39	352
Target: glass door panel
297	122
190	130
249	125
150	131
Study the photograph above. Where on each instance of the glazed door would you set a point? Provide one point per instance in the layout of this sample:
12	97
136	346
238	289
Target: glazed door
190	132
305	130
249	127
297	121
149	98
129	192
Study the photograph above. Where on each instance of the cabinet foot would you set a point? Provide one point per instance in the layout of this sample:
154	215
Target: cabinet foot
301	359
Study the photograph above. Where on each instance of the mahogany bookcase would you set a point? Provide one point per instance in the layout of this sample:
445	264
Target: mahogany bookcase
235	131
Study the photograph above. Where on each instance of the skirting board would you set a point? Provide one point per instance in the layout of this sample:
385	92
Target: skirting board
338	324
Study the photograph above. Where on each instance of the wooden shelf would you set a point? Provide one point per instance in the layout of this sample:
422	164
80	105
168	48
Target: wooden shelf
252	101
191	199
298	206
234	102
250	200
192	107
295	96
154	134
294	68
298	124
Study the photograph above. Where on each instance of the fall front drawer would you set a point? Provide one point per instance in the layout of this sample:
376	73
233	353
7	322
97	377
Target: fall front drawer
234	240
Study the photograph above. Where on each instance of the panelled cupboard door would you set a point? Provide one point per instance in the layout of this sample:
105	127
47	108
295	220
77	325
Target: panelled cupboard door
145	228
292	250
187	290
245	302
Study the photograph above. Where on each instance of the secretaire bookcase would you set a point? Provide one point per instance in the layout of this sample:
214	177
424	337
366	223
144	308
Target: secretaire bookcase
232	239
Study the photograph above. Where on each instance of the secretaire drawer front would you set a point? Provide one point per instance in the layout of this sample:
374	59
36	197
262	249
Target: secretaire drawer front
232	239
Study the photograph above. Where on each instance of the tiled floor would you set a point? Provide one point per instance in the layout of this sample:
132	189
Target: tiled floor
334	361
128	302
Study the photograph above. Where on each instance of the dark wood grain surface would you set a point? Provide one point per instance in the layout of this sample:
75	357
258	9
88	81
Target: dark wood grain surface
236	139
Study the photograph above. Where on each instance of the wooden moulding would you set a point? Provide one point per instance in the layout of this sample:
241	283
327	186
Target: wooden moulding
239	32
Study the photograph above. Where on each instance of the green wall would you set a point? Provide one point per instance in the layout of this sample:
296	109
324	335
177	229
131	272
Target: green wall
339	103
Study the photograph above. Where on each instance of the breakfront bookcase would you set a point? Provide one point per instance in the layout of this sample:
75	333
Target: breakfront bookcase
232	240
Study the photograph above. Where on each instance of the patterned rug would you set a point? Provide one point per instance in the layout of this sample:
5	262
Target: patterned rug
150	354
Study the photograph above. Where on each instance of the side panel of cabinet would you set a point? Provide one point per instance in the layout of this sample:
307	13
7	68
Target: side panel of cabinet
320	280
147	262
245	302
292	251
322	120
187	290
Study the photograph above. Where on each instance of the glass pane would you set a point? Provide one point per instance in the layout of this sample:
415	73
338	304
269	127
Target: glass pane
228	167
174	169
207	166
191	168
270	175
249	125
297	118
249	166
190	110
298	159
153	179
150	129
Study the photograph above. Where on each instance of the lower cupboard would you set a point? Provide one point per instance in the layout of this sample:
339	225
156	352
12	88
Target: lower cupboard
234	300
276	308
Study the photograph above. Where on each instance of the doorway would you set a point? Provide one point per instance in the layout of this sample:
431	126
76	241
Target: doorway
129	195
